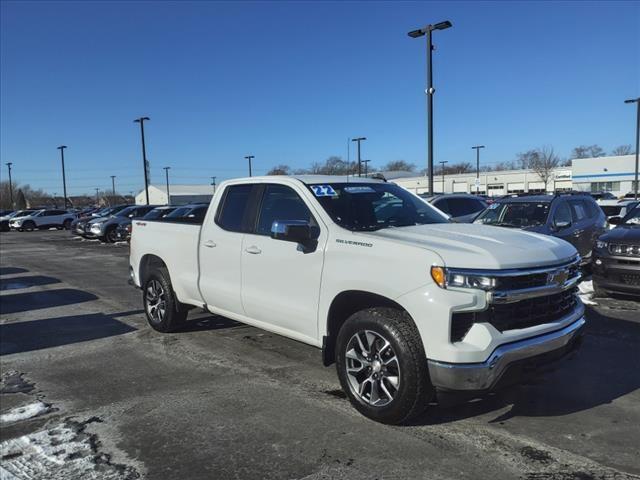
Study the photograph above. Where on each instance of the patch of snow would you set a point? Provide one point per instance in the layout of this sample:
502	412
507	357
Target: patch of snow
64	451
24	412
586	292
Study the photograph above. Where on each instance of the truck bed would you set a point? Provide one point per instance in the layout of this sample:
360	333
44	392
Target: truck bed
177	244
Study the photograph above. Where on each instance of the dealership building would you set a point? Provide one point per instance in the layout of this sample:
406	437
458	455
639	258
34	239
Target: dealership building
178	194
610	174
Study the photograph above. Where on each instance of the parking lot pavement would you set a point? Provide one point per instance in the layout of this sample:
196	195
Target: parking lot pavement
89	391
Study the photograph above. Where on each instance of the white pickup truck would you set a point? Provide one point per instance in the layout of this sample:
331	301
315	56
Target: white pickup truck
404	302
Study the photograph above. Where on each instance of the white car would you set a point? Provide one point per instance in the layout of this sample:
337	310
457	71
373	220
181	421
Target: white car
616	208
406	303
43	219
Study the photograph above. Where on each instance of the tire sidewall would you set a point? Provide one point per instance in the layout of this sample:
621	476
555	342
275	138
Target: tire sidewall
396	411
111	231
29	226
172	318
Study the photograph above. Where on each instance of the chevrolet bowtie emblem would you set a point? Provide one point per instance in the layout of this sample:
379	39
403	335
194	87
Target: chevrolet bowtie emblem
558	277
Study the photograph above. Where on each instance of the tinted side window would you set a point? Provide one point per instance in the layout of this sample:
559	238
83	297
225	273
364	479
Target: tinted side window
563	213
280	202
231	212
442	205
578	209
464	206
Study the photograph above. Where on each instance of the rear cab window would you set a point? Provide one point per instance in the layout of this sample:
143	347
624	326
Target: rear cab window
232	212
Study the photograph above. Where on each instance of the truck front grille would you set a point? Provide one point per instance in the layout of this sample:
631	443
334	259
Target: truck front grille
516	315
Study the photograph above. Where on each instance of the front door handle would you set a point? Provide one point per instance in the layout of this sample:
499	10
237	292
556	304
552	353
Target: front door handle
253	250
210	243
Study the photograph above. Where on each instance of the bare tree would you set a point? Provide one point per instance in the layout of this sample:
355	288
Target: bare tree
398	165
544	164
525	159
587	151
623	150
280	170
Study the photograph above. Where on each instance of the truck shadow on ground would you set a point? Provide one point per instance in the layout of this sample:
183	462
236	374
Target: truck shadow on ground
12	270
53	332
24	302
27	282
605	368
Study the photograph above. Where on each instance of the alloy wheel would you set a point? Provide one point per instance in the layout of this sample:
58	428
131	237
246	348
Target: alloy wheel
373	369
156	301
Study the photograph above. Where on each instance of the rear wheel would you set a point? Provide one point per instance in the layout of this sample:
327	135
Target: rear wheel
382	366
164	312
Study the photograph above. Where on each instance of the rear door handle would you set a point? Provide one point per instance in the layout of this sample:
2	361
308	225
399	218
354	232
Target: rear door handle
210	243
253	250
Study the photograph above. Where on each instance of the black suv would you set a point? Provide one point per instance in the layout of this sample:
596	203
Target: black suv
616	258
574	217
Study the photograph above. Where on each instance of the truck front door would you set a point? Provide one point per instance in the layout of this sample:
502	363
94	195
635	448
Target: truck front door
281	279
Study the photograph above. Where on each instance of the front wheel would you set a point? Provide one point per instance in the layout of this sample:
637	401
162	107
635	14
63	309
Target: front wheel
28	226
382	366
164	312
111	236
67	224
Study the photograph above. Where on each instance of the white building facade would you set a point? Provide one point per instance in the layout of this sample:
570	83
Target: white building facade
180	194
614	174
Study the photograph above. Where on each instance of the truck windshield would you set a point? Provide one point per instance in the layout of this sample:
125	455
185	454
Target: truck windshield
373	206
515	214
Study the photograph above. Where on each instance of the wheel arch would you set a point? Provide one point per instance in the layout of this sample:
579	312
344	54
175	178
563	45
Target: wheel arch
148	263
344	305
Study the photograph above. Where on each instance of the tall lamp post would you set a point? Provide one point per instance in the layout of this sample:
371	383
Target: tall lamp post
249	157
166	176
358	140
141	121
97	197
442	163
10	185
430	90
113	188
213	184
637	102
477	149
64	178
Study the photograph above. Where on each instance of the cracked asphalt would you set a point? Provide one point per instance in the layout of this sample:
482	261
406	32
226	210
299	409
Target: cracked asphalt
220	399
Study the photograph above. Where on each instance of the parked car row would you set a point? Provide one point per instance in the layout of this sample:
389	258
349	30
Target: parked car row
34	219
113	224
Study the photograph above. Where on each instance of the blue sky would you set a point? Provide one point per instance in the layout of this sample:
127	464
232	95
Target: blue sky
289	82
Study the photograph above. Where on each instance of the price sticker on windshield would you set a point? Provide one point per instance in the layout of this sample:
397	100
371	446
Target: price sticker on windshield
323	191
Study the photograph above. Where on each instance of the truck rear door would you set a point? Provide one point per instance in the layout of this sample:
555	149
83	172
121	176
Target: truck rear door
220	247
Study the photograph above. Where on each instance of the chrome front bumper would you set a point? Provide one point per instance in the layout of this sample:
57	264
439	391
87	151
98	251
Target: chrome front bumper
486	375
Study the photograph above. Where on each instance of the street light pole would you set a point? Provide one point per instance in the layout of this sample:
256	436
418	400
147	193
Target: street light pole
366	167
358	140
113	188
141	121
477	149
442	163
637	102
10	185
430	90
64	179
166	176
213	184
97	197
249	157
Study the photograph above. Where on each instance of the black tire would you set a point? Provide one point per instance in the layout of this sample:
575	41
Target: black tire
111	236
414	389
599	292
67	224
28	226
174	314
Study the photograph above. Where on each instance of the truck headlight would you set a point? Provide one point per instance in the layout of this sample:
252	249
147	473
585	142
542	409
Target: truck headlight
601	244
450	277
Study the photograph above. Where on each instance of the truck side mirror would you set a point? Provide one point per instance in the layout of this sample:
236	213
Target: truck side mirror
298	231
